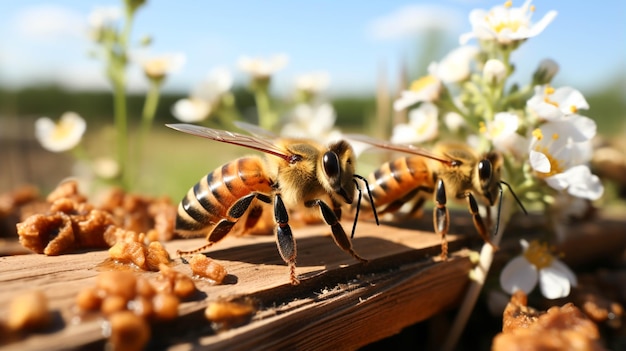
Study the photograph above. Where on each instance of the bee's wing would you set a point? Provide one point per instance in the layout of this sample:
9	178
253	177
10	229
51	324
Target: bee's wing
256	130
224	136
406	148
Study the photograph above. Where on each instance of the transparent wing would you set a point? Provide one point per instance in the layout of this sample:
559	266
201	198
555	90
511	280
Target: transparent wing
224	136
406	148
256	130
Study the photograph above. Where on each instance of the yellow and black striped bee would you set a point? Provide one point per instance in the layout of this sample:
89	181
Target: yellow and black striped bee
294	172
450	168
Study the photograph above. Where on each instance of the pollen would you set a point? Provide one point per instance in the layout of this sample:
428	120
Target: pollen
63	130
538	134
532	8
551	102
573	109
548	90
514	26
538	254
508	3
422	82
555	136
482	127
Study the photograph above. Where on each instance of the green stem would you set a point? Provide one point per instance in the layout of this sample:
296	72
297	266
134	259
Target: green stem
267	119
121	127
149	110
117	73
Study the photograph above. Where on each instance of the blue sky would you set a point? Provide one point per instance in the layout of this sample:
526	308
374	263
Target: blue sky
42	41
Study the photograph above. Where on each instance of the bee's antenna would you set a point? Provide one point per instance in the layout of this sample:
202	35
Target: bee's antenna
358	207
500	204
514	195
369	194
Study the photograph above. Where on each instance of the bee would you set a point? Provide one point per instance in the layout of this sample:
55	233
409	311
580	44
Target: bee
450	169
295	172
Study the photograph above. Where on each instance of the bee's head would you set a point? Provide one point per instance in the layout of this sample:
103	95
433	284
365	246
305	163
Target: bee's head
487	179
337	165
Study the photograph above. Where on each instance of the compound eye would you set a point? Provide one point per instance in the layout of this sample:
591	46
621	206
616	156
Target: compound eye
331	164
484	170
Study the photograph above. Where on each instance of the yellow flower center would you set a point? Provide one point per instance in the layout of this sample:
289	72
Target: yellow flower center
538	134
423	82
538	254
508	4
574	109
482	127
512	25
62	130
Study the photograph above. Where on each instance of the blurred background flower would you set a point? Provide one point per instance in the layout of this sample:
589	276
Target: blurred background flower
61	136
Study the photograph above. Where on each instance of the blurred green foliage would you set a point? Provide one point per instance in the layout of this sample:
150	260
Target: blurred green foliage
195	156
97	106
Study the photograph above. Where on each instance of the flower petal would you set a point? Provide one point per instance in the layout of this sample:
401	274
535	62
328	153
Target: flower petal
555	281
191	110
539	162
579	181
518	274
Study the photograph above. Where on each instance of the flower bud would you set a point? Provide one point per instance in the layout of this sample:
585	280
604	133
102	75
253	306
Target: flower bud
494	71
547	69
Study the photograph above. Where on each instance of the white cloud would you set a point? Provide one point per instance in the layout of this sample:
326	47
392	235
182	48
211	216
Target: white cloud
414	19
49	22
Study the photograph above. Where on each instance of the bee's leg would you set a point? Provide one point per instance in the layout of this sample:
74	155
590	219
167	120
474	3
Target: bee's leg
337	209
222	228
341	239
284	238
478	221
225	225
441	217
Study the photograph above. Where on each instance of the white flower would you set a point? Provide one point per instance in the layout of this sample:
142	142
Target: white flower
551	104
456	65
104	16
218	82
536	264
159	66
506	24
558	154
204	98
312	122
423	125
494	71
502	130
106	167
424	89
191	110
313	82
62	136
262	68
454	121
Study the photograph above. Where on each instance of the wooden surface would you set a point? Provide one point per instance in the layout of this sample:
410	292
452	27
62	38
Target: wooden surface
340	302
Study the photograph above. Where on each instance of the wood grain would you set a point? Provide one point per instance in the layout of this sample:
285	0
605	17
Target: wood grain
347	302
340	303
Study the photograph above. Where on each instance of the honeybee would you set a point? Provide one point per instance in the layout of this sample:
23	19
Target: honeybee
294	172
450	168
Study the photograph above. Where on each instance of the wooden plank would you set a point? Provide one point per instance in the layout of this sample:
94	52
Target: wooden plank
347	302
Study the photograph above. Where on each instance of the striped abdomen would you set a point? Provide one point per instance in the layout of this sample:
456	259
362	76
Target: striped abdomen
211	199
399	181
